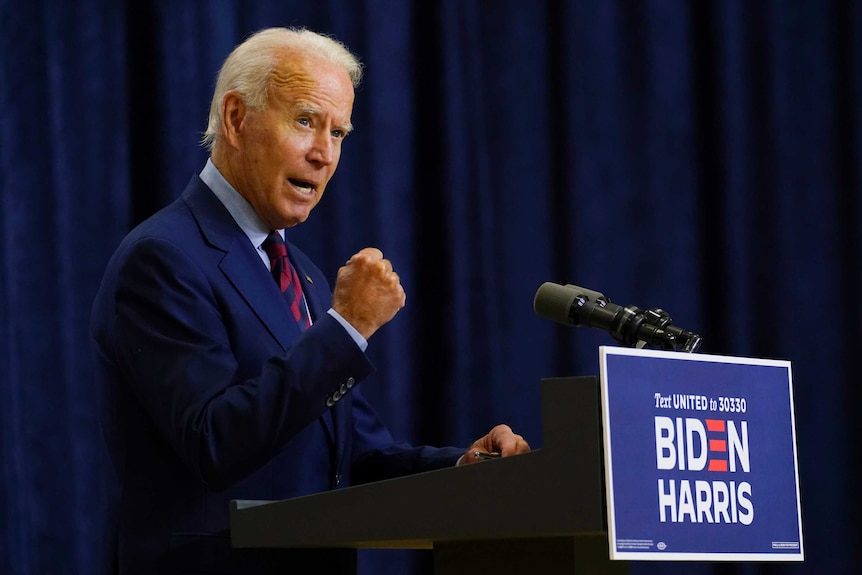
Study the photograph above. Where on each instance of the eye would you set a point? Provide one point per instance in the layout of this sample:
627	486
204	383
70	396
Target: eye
303	121
339	134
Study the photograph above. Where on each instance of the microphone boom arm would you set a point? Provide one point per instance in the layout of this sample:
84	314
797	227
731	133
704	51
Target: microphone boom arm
629	325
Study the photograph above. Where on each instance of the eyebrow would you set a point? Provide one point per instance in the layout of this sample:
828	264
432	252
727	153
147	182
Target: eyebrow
306	109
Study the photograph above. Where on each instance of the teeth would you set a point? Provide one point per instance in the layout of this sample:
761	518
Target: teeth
304	186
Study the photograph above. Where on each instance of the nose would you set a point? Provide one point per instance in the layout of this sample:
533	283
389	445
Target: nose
323	149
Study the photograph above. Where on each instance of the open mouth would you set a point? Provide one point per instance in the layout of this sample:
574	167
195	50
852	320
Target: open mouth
302	185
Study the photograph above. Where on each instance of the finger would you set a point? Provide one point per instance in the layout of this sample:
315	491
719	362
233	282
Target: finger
514	444
385	267
507	442
370	254
366	255
500	434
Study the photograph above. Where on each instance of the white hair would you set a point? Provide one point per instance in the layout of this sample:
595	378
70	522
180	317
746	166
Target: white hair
248	69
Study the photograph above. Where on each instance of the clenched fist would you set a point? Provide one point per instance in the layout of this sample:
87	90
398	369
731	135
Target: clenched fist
367	292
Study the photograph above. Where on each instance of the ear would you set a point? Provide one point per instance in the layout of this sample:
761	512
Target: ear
233	113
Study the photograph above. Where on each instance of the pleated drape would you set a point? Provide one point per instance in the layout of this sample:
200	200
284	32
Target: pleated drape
701	157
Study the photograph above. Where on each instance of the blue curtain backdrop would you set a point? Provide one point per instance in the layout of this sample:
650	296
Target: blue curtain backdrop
699	156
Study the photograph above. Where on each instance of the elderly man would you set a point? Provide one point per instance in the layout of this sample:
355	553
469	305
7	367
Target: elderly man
227	367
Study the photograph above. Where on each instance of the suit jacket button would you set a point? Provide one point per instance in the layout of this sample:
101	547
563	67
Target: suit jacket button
343	389
349	382
329	401
336	395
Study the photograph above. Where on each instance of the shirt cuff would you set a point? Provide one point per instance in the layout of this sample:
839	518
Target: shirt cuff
357	337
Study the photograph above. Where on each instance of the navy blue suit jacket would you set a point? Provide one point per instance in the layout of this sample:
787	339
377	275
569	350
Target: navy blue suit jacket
209	391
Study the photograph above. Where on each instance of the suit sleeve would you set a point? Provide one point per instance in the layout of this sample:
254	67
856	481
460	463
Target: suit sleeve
177	352
378	456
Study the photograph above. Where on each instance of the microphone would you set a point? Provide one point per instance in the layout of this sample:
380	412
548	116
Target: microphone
573	305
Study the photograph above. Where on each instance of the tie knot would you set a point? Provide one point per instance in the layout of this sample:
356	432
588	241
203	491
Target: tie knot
274	246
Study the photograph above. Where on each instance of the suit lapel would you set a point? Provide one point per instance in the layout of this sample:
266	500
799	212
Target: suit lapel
241	264
311	292
242	267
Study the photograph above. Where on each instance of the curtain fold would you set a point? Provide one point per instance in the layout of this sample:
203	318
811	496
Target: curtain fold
701	157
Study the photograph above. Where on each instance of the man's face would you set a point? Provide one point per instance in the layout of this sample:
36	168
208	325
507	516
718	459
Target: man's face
288	151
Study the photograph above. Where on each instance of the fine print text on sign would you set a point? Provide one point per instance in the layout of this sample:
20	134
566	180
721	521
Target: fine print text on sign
700	457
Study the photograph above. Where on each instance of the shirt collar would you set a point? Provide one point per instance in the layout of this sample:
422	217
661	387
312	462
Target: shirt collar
240	209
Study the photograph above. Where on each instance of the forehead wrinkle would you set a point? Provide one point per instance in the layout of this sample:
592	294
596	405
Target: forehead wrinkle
293	69
290	80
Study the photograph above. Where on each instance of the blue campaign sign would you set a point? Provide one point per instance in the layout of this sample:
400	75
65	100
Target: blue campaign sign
700	457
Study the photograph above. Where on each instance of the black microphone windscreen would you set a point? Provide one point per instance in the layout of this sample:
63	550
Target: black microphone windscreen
554	302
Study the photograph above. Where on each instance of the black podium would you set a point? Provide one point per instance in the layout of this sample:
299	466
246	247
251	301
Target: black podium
539	512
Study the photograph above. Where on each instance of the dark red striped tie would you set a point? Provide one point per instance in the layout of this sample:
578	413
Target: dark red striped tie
286	277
